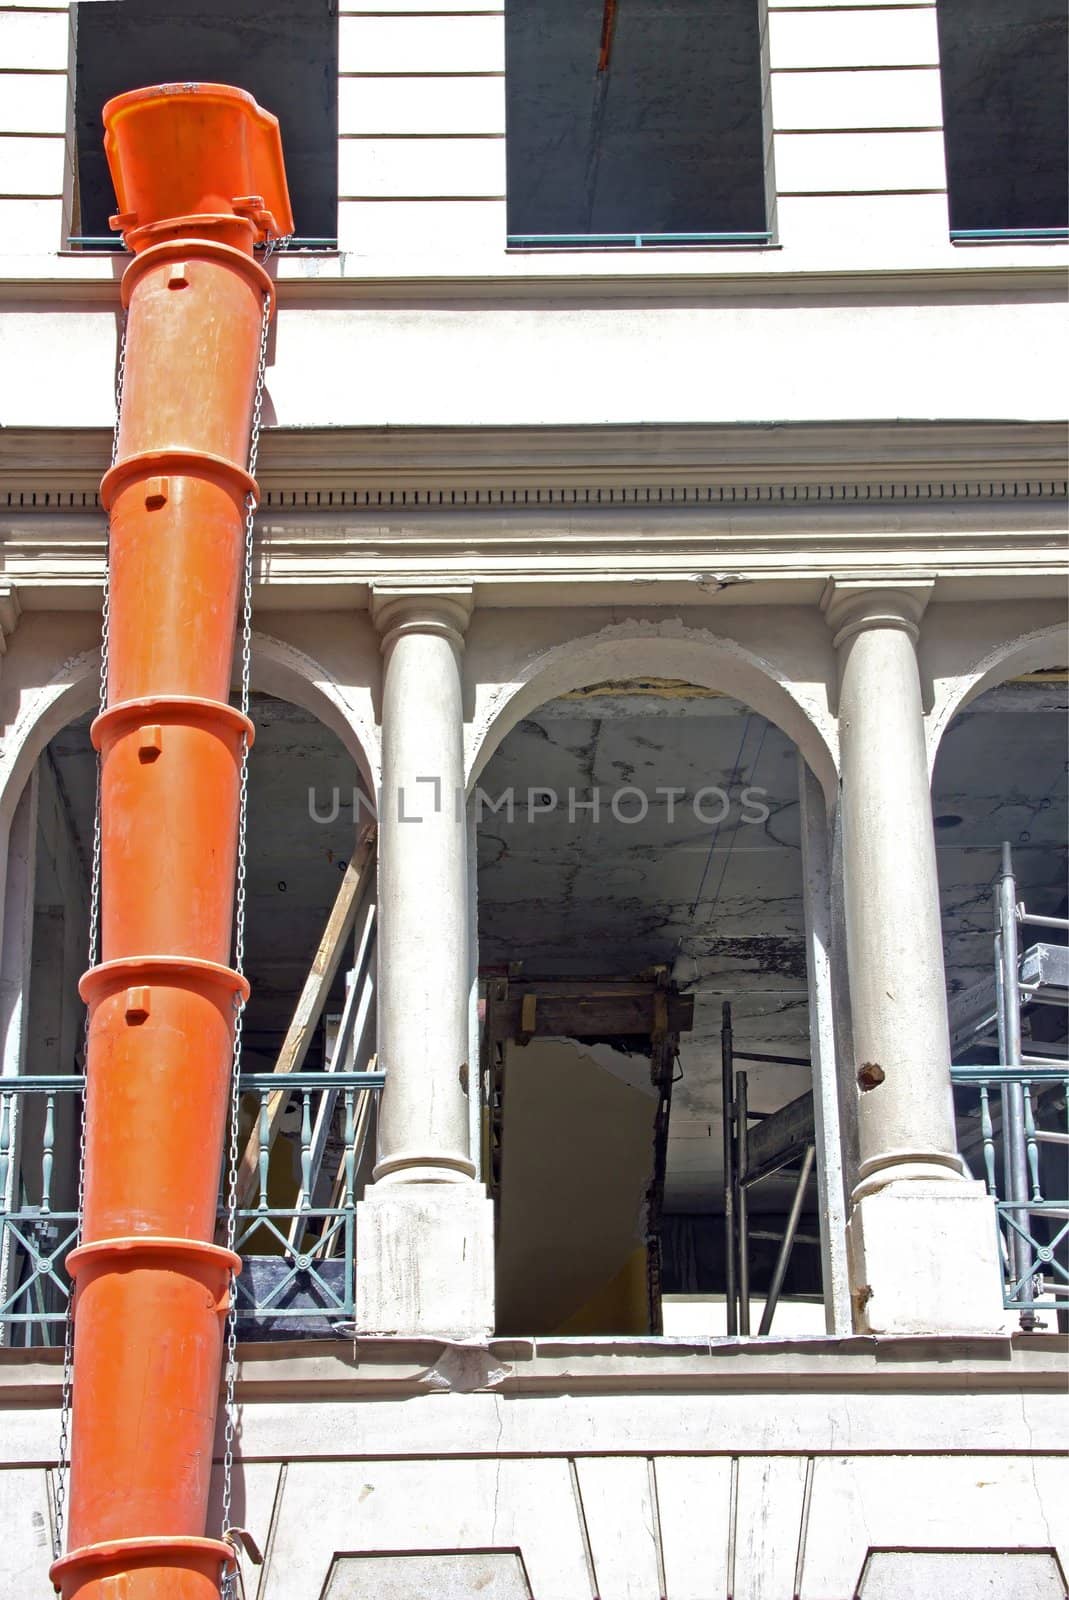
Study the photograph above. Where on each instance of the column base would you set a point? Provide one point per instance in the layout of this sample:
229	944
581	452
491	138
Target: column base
924	1259
425	1260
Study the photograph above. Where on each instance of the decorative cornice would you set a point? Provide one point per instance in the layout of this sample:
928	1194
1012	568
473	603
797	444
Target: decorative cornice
704	465
680	514
591	496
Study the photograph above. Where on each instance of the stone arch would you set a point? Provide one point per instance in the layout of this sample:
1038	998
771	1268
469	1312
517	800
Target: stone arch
1024	653
665	650
277	669
69	693
290	674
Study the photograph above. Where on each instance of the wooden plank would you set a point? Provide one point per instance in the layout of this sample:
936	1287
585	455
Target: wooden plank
313	998
584	988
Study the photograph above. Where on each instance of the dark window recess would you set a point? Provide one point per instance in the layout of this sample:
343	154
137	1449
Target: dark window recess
1004	111
634	118
284	52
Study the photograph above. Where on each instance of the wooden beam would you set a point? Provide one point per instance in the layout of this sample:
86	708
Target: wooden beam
313	998
634	1009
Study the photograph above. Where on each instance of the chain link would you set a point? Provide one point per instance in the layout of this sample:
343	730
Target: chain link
63	1463
232	1582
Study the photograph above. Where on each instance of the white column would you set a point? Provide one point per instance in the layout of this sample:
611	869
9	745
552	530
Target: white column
475	1100
425	1228
816	888
922	1237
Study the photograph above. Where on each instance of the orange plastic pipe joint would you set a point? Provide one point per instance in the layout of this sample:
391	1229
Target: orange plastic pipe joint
200	180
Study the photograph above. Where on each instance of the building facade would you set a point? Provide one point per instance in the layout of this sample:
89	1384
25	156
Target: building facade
557	501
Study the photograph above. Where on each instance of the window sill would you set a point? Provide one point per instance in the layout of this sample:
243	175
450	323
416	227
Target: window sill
535	244
1003	236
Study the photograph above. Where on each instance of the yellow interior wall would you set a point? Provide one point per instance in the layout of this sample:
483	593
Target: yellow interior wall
619	1306
576	1161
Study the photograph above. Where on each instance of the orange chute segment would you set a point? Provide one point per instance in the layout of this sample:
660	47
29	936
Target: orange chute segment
218	153
199	175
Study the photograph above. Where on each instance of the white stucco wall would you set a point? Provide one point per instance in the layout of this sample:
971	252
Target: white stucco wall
621	1469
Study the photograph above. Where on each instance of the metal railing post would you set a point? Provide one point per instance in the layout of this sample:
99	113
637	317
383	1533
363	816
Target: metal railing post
727	1080
741	1140
1016	1180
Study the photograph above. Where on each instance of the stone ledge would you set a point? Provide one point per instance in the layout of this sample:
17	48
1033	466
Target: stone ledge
342	278
399	1367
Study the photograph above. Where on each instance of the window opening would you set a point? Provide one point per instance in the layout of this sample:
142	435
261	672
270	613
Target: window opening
1005	108
635	123
284	52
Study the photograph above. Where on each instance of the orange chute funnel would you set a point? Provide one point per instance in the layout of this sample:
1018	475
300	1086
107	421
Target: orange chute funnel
199	175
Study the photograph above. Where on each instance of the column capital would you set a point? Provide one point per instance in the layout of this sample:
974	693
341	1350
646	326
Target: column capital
10	612
421	608
851	605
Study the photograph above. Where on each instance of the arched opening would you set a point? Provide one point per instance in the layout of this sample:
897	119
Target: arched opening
309	956
999	808
636	837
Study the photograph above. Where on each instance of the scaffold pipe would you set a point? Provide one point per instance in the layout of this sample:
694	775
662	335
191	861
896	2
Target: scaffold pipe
199	175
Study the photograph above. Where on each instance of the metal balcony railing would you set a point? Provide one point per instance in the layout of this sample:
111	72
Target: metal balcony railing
296	1235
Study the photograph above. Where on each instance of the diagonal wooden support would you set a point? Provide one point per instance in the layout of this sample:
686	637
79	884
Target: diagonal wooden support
309	1009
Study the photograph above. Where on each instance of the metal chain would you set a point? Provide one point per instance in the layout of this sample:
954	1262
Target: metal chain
232	1581
63	1463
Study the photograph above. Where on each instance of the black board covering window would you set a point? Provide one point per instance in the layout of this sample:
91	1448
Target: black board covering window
284	52
634	118
1003	68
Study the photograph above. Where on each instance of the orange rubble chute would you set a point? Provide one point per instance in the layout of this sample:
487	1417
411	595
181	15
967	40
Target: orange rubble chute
199	175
